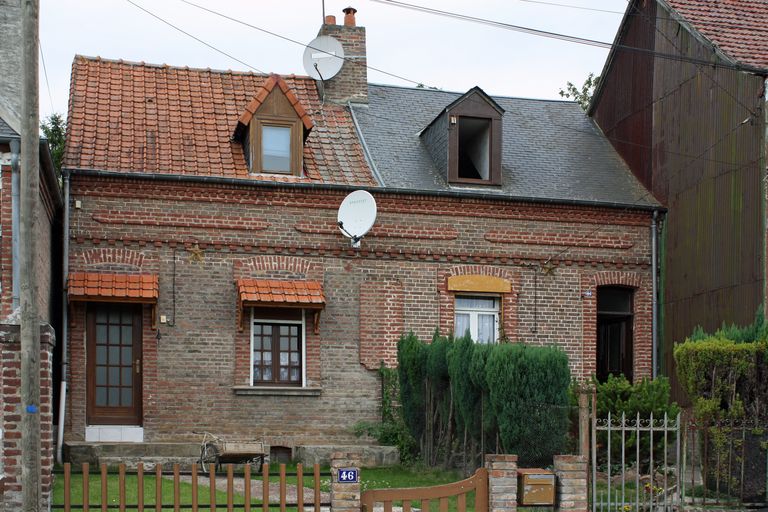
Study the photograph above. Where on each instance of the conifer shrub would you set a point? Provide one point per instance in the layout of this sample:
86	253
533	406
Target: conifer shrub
411	369
529	394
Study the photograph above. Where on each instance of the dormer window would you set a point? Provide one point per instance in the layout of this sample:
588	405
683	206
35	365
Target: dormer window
470	130
474	148
272	130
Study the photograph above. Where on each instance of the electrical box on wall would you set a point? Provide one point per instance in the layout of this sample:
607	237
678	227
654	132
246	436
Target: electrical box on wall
535	487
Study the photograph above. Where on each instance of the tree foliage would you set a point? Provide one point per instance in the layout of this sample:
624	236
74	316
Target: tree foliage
582	95
54	128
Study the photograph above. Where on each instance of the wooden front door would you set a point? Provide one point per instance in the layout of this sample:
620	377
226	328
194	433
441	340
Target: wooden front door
113	334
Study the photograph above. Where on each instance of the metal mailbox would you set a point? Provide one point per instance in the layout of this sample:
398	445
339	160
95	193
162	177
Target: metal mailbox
535	487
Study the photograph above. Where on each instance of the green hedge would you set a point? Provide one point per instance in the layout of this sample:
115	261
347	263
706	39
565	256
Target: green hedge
461	398
724	378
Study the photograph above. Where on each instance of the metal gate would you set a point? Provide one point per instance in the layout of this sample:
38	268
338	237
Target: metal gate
636	463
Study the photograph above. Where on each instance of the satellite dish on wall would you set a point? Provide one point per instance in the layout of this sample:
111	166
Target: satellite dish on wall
323	58
357	214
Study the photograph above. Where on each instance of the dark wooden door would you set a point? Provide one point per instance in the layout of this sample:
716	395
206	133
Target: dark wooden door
114	364
614	347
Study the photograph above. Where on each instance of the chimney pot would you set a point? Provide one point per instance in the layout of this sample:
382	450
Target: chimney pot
349	16
330	20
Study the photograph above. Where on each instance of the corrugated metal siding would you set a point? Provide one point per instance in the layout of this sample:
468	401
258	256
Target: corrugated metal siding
624	109
707	167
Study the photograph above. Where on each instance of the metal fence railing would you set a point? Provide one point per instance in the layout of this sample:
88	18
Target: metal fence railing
635	463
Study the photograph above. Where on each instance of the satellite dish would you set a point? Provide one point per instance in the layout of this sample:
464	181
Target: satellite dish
323	58
357	214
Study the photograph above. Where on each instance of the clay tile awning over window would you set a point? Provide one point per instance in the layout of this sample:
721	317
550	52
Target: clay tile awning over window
280	294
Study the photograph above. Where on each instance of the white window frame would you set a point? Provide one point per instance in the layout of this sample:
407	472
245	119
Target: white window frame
302	323
475	312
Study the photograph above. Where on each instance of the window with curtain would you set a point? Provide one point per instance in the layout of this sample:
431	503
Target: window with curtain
479	315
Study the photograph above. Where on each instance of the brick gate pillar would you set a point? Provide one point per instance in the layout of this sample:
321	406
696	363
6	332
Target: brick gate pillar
502	482
345	496
571	471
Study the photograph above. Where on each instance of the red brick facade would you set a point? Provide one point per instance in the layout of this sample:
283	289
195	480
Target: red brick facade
10	416
196	365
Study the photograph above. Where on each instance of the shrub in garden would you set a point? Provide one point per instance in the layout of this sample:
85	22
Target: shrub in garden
411	369
617	395
529	394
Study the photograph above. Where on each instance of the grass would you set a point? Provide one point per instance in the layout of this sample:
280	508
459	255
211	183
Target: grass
371	478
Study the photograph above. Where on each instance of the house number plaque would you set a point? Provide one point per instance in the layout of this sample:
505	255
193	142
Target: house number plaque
348	476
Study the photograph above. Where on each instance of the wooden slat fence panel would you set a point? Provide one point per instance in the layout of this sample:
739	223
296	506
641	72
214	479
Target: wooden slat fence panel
115	497
477	483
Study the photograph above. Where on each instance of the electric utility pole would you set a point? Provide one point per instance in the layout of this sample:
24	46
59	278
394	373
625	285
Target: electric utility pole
30	325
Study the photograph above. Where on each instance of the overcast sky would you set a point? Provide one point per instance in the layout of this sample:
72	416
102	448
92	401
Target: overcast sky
433	50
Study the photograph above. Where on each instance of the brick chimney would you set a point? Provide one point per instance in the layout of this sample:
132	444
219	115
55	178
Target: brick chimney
351	83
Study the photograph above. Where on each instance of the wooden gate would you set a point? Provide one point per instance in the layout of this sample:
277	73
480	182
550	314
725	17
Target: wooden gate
439	493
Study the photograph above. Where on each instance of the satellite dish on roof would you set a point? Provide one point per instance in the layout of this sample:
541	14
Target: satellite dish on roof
357	214
323	58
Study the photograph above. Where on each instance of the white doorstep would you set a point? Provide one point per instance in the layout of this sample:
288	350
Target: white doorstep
114	433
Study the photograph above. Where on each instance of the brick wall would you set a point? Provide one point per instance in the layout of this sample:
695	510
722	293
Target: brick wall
44	270
351	83
195	364
10	415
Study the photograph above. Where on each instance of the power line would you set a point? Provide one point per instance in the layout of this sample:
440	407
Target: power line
565	37
45	73
194	37
346	59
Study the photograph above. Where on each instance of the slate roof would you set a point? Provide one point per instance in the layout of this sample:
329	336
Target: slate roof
551	149
738	27
142	118
6	132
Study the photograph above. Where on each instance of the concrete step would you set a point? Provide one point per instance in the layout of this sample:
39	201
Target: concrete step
95	453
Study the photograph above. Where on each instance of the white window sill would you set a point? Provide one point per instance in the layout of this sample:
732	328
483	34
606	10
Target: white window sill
275	391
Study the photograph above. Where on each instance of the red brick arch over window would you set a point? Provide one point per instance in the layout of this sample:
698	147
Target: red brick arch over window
509	301
642	320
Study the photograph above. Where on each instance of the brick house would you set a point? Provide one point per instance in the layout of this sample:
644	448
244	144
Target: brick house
47	270
211	289
688	116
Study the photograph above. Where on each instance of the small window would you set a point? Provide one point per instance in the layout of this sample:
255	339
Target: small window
276	149
474	148
277	352
479	315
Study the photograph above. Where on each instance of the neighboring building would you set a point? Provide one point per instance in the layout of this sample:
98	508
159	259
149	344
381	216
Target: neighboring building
47	271
687	114
211	289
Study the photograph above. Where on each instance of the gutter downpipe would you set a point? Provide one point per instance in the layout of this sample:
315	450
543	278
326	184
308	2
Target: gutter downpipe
15	205
655	300
64	325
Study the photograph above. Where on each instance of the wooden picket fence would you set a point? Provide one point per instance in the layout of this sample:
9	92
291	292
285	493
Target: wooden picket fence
108	500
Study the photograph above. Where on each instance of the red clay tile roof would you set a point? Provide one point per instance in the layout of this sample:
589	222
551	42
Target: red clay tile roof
272	292
738	27
142	118
264	91
100	286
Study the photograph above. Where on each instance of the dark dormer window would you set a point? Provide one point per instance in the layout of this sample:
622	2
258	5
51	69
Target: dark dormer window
272	130
474	148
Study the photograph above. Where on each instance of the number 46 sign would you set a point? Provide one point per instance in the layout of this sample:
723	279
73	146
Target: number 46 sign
348	476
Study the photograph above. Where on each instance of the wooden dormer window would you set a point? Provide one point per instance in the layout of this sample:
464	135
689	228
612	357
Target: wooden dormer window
474	140
273	129
276	145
